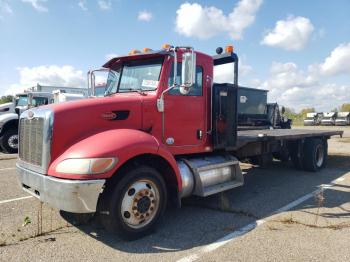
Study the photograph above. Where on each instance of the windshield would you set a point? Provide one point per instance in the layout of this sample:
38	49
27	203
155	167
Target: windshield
37	101
139	75
22	100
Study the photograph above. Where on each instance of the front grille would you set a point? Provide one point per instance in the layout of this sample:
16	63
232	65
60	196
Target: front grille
31	140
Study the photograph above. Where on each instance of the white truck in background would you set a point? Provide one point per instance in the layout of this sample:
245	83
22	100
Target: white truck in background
329	119
313	119
7	108
59	96
343	119
33	97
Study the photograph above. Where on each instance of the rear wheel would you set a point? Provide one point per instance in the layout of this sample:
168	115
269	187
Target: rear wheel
315	154
135	205
9	141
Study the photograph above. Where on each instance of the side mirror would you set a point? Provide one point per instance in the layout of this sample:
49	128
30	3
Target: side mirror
98	79
188	73
283	110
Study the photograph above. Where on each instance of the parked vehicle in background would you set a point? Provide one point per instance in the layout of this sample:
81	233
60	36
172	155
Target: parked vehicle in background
29	99
7	108
255	113
50	89
60	96
328	119
313	119
343	119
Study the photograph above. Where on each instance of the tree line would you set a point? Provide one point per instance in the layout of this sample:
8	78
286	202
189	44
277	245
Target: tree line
6	99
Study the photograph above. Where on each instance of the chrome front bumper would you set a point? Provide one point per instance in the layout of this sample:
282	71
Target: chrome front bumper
77	196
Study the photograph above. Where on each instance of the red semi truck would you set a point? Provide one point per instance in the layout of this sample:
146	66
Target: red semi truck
163	131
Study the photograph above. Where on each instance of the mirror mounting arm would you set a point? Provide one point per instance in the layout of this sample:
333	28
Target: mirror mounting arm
160	101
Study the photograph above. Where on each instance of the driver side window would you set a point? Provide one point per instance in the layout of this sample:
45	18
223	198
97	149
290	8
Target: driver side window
197	88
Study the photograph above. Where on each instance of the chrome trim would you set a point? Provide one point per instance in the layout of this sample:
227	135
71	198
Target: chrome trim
48	116
77	196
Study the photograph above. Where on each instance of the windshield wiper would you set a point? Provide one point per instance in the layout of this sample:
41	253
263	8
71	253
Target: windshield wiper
140	91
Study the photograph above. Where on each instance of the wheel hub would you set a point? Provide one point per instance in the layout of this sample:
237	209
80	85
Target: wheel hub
140	203
143	204
13	141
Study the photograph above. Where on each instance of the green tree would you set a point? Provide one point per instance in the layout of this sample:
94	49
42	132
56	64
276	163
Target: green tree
6	99
345	107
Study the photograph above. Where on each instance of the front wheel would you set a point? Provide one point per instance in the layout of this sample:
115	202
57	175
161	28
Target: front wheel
135	205
9	141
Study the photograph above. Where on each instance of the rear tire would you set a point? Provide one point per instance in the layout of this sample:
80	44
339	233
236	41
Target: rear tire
134	206
315	154
9	141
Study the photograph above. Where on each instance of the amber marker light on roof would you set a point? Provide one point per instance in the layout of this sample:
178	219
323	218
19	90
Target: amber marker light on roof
146	49
229	49
134	52
165	46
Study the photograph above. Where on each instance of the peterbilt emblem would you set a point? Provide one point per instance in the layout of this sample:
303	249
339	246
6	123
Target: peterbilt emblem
109	115
30	115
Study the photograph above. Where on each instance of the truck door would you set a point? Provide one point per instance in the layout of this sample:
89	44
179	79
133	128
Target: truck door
185	115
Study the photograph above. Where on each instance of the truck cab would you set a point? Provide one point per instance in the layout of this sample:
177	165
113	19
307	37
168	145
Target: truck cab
343	119
313	119
329	119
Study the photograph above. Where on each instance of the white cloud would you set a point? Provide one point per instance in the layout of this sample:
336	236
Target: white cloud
63	76
225	73
82	5
294	88
110	56
145	16
194	20
290	34
5	9
338	62
37	4
104	4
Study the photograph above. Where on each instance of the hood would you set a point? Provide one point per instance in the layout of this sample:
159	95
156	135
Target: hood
7	108
76	120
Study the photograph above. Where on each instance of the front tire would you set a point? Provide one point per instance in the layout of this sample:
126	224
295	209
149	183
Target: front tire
9	141
134	206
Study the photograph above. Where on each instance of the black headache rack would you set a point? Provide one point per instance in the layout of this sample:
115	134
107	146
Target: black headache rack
224	106
224	116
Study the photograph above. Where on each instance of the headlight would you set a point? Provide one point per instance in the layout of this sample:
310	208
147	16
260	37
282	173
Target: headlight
86	166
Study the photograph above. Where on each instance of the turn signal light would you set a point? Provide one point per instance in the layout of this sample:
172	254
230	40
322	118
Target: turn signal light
146	49
165	46
86	166
134	52
229	49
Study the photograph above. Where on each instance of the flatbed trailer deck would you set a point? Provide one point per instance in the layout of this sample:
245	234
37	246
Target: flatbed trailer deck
303	147
245	137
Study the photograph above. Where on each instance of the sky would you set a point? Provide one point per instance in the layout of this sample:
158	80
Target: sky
298	50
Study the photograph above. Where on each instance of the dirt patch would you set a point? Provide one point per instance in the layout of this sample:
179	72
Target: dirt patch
293	221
